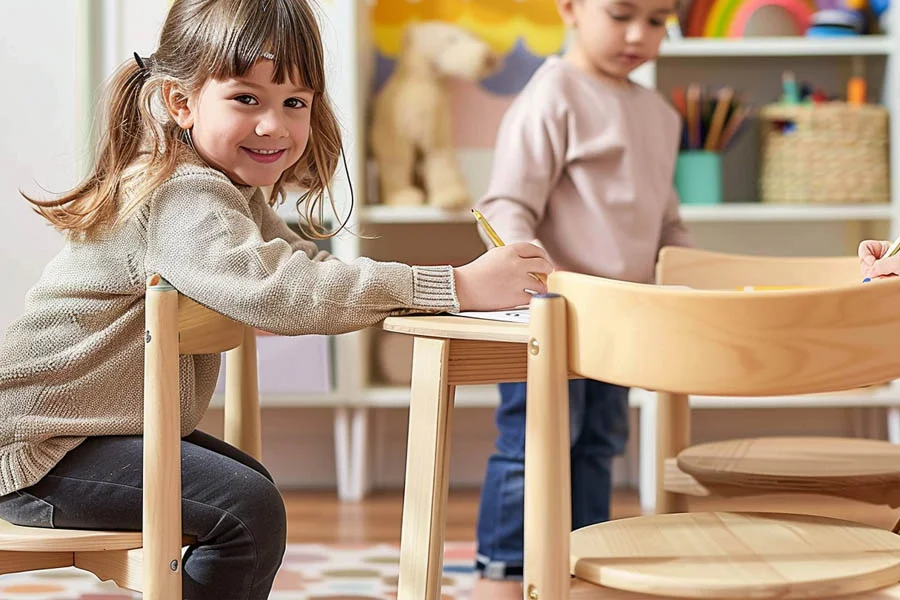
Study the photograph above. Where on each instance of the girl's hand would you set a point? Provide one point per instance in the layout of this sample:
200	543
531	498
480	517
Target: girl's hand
870	262
498	278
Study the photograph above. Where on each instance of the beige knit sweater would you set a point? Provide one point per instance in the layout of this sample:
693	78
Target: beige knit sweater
72	365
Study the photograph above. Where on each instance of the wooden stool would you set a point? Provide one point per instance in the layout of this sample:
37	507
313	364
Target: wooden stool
866	470
786	342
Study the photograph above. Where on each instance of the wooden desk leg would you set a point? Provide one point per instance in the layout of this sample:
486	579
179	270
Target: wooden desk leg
673	434
427	473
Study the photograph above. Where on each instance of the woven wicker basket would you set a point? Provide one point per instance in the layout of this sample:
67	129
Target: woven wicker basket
835	153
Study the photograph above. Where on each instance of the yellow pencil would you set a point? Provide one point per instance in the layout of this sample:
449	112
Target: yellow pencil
495	239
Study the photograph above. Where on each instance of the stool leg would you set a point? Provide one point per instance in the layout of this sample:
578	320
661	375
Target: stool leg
427	473
673	434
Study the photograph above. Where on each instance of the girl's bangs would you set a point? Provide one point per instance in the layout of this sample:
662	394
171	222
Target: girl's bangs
297	58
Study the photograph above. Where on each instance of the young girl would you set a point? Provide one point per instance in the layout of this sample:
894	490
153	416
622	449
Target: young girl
232	100
584	167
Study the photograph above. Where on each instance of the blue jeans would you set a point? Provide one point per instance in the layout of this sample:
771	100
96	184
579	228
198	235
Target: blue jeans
598	426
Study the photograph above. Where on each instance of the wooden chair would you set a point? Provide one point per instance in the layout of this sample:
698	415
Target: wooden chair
150	561
715	342
860	469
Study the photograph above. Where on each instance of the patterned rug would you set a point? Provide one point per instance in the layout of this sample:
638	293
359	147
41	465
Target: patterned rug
309	572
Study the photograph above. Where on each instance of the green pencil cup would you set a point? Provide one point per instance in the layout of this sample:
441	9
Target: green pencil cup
698	177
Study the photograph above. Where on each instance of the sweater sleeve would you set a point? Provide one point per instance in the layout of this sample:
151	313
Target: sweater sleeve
202	239
529	157
272	226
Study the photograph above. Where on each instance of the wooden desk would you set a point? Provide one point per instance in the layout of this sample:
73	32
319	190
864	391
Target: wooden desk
448	351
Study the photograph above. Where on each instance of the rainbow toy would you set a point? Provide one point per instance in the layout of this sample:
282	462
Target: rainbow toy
729	18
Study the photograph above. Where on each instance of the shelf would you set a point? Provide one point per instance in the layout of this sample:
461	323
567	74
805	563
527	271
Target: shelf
413	214
755	211
868	45
748	212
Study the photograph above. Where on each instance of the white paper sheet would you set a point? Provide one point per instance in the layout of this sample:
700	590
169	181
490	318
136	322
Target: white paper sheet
515	315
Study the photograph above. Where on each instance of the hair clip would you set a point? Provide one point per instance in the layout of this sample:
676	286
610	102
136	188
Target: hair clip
145	65
268	55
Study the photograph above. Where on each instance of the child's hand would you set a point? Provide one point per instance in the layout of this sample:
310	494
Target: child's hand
870	262
498	278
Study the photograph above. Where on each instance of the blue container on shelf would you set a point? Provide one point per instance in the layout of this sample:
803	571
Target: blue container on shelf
698	177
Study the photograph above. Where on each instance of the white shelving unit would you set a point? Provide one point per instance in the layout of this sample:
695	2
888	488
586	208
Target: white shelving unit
724	213
754	65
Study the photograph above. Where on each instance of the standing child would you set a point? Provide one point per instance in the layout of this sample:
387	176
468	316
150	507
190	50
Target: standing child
584	167
232	100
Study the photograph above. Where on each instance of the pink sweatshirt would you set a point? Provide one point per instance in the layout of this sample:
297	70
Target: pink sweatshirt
586	168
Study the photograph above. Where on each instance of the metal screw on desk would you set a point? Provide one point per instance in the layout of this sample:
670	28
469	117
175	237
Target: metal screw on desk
533	593
173	565
533	346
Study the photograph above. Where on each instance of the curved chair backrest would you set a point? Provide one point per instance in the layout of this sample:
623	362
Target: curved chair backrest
731	343
703	269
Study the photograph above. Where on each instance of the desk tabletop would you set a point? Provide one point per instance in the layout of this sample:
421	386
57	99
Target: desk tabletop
458	328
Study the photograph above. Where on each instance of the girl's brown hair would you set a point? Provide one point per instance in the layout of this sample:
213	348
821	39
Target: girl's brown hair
202	39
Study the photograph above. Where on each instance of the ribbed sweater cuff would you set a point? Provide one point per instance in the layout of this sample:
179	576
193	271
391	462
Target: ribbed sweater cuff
435	288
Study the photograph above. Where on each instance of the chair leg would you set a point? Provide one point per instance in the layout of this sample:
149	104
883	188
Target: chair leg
427	473
673	434
161	524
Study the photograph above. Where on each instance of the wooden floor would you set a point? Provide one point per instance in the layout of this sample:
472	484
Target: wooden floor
320	517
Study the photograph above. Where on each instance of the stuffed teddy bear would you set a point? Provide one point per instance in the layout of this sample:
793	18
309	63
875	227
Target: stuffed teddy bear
410	132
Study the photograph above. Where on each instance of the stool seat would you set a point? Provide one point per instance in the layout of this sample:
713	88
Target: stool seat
863	469
41	539
736	555
32	539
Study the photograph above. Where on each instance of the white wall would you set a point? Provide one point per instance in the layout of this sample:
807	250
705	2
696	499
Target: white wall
50	69
39	145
